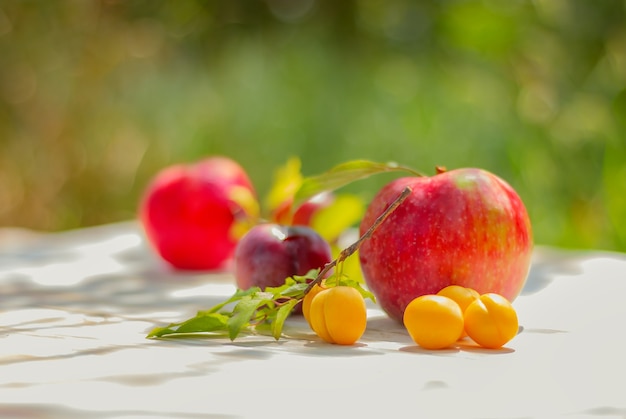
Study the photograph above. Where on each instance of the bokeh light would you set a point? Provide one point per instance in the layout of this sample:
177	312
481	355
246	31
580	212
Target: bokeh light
96	96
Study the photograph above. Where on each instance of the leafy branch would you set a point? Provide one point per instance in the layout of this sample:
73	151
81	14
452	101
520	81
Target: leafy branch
344	174
260	309
348	251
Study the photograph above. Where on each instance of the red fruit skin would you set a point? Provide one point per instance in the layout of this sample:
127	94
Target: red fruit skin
187	212
269	253
304	213
466	227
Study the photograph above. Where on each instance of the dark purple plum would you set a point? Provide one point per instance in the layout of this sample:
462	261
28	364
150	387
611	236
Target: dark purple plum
269	253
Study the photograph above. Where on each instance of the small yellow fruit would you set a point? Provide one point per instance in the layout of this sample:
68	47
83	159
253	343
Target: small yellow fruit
338	315
491	321
462	295
308	298
433	321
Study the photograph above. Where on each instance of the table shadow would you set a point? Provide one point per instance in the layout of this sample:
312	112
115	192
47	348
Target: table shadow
53	411
547	265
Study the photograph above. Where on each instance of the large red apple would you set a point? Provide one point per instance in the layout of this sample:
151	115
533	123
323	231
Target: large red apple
466	227
188	212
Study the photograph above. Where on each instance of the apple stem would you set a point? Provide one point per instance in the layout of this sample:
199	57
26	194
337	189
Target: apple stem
348	251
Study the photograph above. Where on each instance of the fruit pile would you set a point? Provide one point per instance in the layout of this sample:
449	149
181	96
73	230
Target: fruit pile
444	255
437	321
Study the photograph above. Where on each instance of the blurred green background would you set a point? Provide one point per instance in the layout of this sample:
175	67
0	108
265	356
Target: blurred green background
97	96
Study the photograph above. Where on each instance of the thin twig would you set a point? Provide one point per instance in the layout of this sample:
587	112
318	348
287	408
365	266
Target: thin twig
348	251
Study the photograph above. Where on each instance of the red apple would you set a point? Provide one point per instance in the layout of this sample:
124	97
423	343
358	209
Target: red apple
188	212
466	227
269	253
303	215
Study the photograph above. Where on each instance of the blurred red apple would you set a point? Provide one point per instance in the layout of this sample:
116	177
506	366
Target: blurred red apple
466	227
269	253
303	215
189	212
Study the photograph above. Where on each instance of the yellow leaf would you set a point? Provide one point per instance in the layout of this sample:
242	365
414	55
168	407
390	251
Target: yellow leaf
351	265
287	180
344	212
247	213
245	199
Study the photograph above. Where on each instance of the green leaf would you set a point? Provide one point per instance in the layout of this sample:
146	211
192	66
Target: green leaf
295	290
244	312
157	332
309	276
207	323
278	291
357	285
342	175
203	322
283	312
238	295
294	286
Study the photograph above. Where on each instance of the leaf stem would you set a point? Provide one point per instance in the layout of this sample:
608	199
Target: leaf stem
348	251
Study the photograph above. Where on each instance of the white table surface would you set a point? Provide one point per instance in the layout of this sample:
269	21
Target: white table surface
75	308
